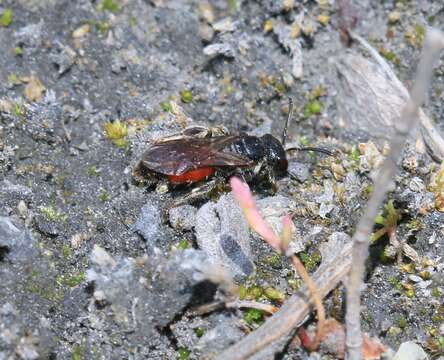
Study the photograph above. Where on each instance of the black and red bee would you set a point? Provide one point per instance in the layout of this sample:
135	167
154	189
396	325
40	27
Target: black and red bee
198	154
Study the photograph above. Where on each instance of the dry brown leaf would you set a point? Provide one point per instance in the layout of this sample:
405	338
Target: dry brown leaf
333	341
81	31
34	89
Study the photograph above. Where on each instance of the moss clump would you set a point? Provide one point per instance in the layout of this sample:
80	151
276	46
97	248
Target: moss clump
75	279
110	5
273	260
388	220
402	322
104	196
295	284
436	293
253	316
66	251
313	107
415	36
52	215
117	132
18	51
184	353
310	261
77	353
199	332
395	283
6	18
273	294
92	171
186	96
183	244
390	56
166	106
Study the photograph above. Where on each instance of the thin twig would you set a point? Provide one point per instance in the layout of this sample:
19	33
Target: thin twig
280	243
317	300
238	304
433	43
294	311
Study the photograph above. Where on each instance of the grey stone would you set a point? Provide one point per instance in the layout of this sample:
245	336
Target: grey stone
410	351
18	243
222	232
223	49
299	171
182	217
149	223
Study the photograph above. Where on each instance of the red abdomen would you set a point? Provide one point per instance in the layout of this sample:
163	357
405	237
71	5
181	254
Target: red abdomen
192	176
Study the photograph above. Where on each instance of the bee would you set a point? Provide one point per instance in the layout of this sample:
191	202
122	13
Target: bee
198	154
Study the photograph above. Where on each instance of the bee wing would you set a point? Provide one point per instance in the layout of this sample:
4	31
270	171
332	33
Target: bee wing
178	156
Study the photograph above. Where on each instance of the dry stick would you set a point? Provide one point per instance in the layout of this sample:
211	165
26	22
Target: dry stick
317	300
294	311
297	308
433	43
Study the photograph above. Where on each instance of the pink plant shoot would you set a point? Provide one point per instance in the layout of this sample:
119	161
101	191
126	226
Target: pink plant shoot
245	198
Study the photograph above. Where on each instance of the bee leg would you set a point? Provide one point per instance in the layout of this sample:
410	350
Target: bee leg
271	179
162	187
200	193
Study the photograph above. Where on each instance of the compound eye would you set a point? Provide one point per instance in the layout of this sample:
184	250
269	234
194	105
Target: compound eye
283	165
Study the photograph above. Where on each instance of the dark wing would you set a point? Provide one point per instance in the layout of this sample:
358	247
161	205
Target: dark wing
176	157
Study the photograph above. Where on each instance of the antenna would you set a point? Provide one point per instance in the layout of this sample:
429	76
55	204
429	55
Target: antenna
290	115
309	148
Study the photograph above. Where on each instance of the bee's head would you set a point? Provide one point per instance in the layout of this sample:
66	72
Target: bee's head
275	153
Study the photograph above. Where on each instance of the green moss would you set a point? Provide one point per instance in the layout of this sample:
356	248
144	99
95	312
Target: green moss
253	316
75	279
410	293
40	285
313	107
66	251
166	106
77	352
110	5
310	261
133	21
184	353
6	18
395	282
53	215
13	79
367	191
102	27
420	32
117	132
92	171
415	224
199	332
354	155
186	96
255	292
440	341
243	292
183	244
273	294
303	141
232	5
295	284
388	220
104	196
436	293
390	56
385	256
273	260
402	322
18	51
